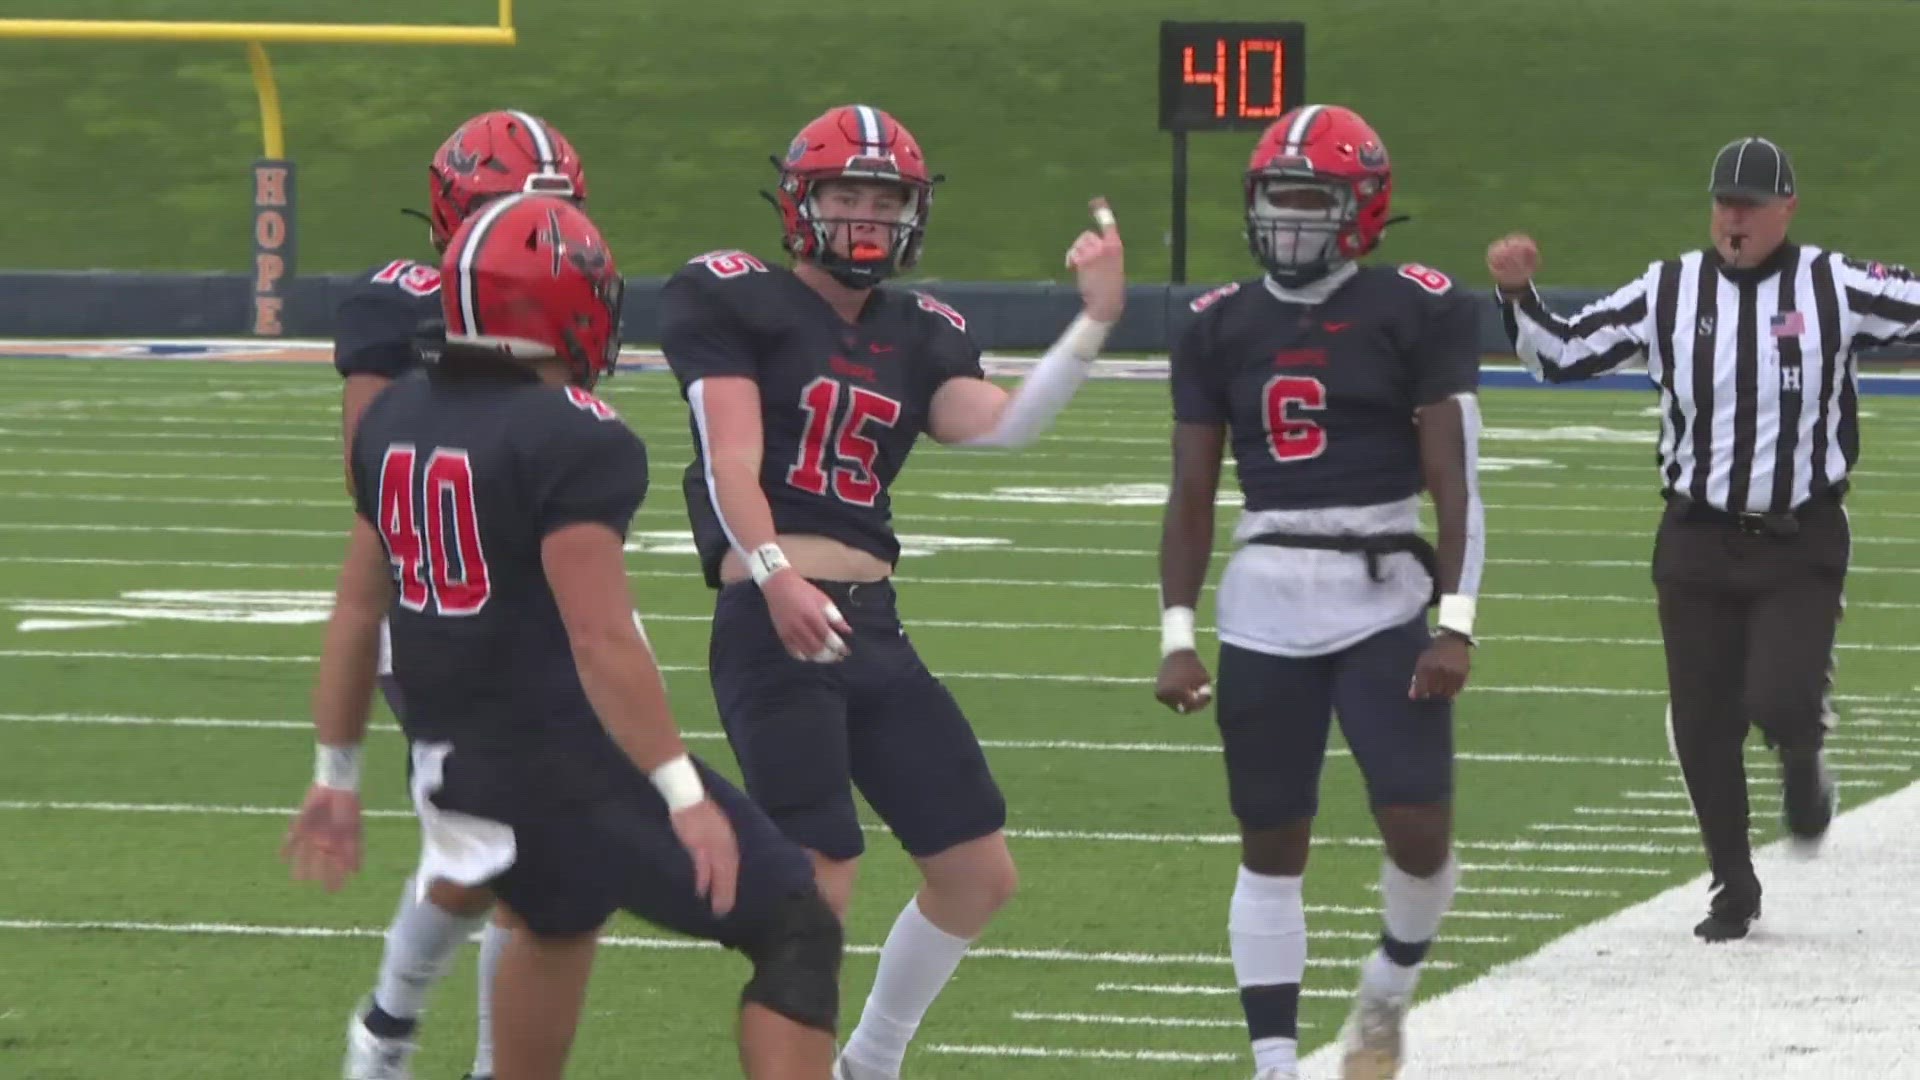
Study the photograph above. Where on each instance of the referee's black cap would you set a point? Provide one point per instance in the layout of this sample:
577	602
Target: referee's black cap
1753	168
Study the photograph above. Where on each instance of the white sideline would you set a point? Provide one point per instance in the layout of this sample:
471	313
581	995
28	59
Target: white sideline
1824	988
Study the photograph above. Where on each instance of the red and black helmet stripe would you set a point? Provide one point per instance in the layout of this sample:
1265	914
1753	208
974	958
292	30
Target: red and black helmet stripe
542	142
1301	127
463	299
873	130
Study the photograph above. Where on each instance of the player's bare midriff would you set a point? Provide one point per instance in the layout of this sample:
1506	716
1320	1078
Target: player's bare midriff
821	558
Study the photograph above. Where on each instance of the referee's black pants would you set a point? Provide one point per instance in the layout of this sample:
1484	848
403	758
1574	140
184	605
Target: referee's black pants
1748	612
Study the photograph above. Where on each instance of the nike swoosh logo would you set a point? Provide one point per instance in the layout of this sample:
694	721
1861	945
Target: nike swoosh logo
1335	327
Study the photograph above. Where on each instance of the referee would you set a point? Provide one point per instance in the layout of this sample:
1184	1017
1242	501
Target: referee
1752	344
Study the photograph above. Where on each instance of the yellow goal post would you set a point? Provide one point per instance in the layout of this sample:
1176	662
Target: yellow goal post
273	174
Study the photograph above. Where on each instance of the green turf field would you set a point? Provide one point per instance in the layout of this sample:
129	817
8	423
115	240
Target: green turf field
170	535
1591	122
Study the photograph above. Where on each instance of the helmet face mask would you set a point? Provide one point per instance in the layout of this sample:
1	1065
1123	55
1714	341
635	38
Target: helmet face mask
1317	192
854	196
1295	223
861	226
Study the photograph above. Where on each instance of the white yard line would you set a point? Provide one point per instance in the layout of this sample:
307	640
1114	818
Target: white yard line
1111	1020
1076	745
937	581
1168	1057
630	941
1145	521
319	601
1017	833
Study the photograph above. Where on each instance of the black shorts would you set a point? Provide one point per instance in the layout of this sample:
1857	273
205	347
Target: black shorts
805	734
576	862
1275	712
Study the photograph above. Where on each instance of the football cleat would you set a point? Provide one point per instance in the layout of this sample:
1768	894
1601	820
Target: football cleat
1372	1038
370	1057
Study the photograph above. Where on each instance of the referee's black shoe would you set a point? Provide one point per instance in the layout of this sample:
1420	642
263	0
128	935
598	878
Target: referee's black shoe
1808	797
1732	910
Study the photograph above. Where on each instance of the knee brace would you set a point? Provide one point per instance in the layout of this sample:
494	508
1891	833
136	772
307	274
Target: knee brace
796	961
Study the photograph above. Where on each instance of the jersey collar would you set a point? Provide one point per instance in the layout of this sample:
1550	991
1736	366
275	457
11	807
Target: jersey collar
1313	292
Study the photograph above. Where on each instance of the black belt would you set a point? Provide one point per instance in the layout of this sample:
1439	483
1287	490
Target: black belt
1371	546
1779	525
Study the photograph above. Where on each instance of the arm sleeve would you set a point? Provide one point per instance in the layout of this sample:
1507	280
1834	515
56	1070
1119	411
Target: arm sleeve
1884	299
1607	335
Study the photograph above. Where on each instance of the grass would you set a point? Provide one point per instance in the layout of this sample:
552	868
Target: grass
1589	122
146	766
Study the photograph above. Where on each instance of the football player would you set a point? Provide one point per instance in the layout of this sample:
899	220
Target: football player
808	387
1345	391
494	497
379	328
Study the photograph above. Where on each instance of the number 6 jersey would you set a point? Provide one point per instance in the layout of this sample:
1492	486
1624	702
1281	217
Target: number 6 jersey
1319	399
840	404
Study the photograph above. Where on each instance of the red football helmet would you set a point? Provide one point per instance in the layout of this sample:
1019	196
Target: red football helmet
495	154
853	142
530	277
1317	190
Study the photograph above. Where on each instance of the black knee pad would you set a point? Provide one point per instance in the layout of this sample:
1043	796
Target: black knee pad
796	961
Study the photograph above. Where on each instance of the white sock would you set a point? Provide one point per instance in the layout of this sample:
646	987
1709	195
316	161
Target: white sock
1412	909
492	941
420	947
915	964
1267	928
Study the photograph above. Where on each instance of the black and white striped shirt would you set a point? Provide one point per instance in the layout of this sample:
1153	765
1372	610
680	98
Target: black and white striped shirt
1756	368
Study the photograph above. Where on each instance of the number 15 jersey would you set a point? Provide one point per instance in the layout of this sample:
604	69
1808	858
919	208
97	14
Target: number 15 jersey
840	404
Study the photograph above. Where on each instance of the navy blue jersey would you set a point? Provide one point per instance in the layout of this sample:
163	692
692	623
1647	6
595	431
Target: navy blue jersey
377	326
1319	399
840	404
463	476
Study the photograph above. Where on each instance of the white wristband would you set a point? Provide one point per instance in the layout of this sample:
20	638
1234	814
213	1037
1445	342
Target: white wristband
336	767
1456	614
678	782
766	561
1176	631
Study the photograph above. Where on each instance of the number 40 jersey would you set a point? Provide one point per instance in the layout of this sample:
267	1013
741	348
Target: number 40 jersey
1319	399
464	478
840	404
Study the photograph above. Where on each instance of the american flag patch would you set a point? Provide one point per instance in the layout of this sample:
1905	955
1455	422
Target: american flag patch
1789	324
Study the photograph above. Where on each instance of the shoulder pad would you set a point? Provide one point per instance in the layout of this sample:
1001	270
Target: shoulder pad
1207	299
728	264
410	277
1878	271
926	302
1427	278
